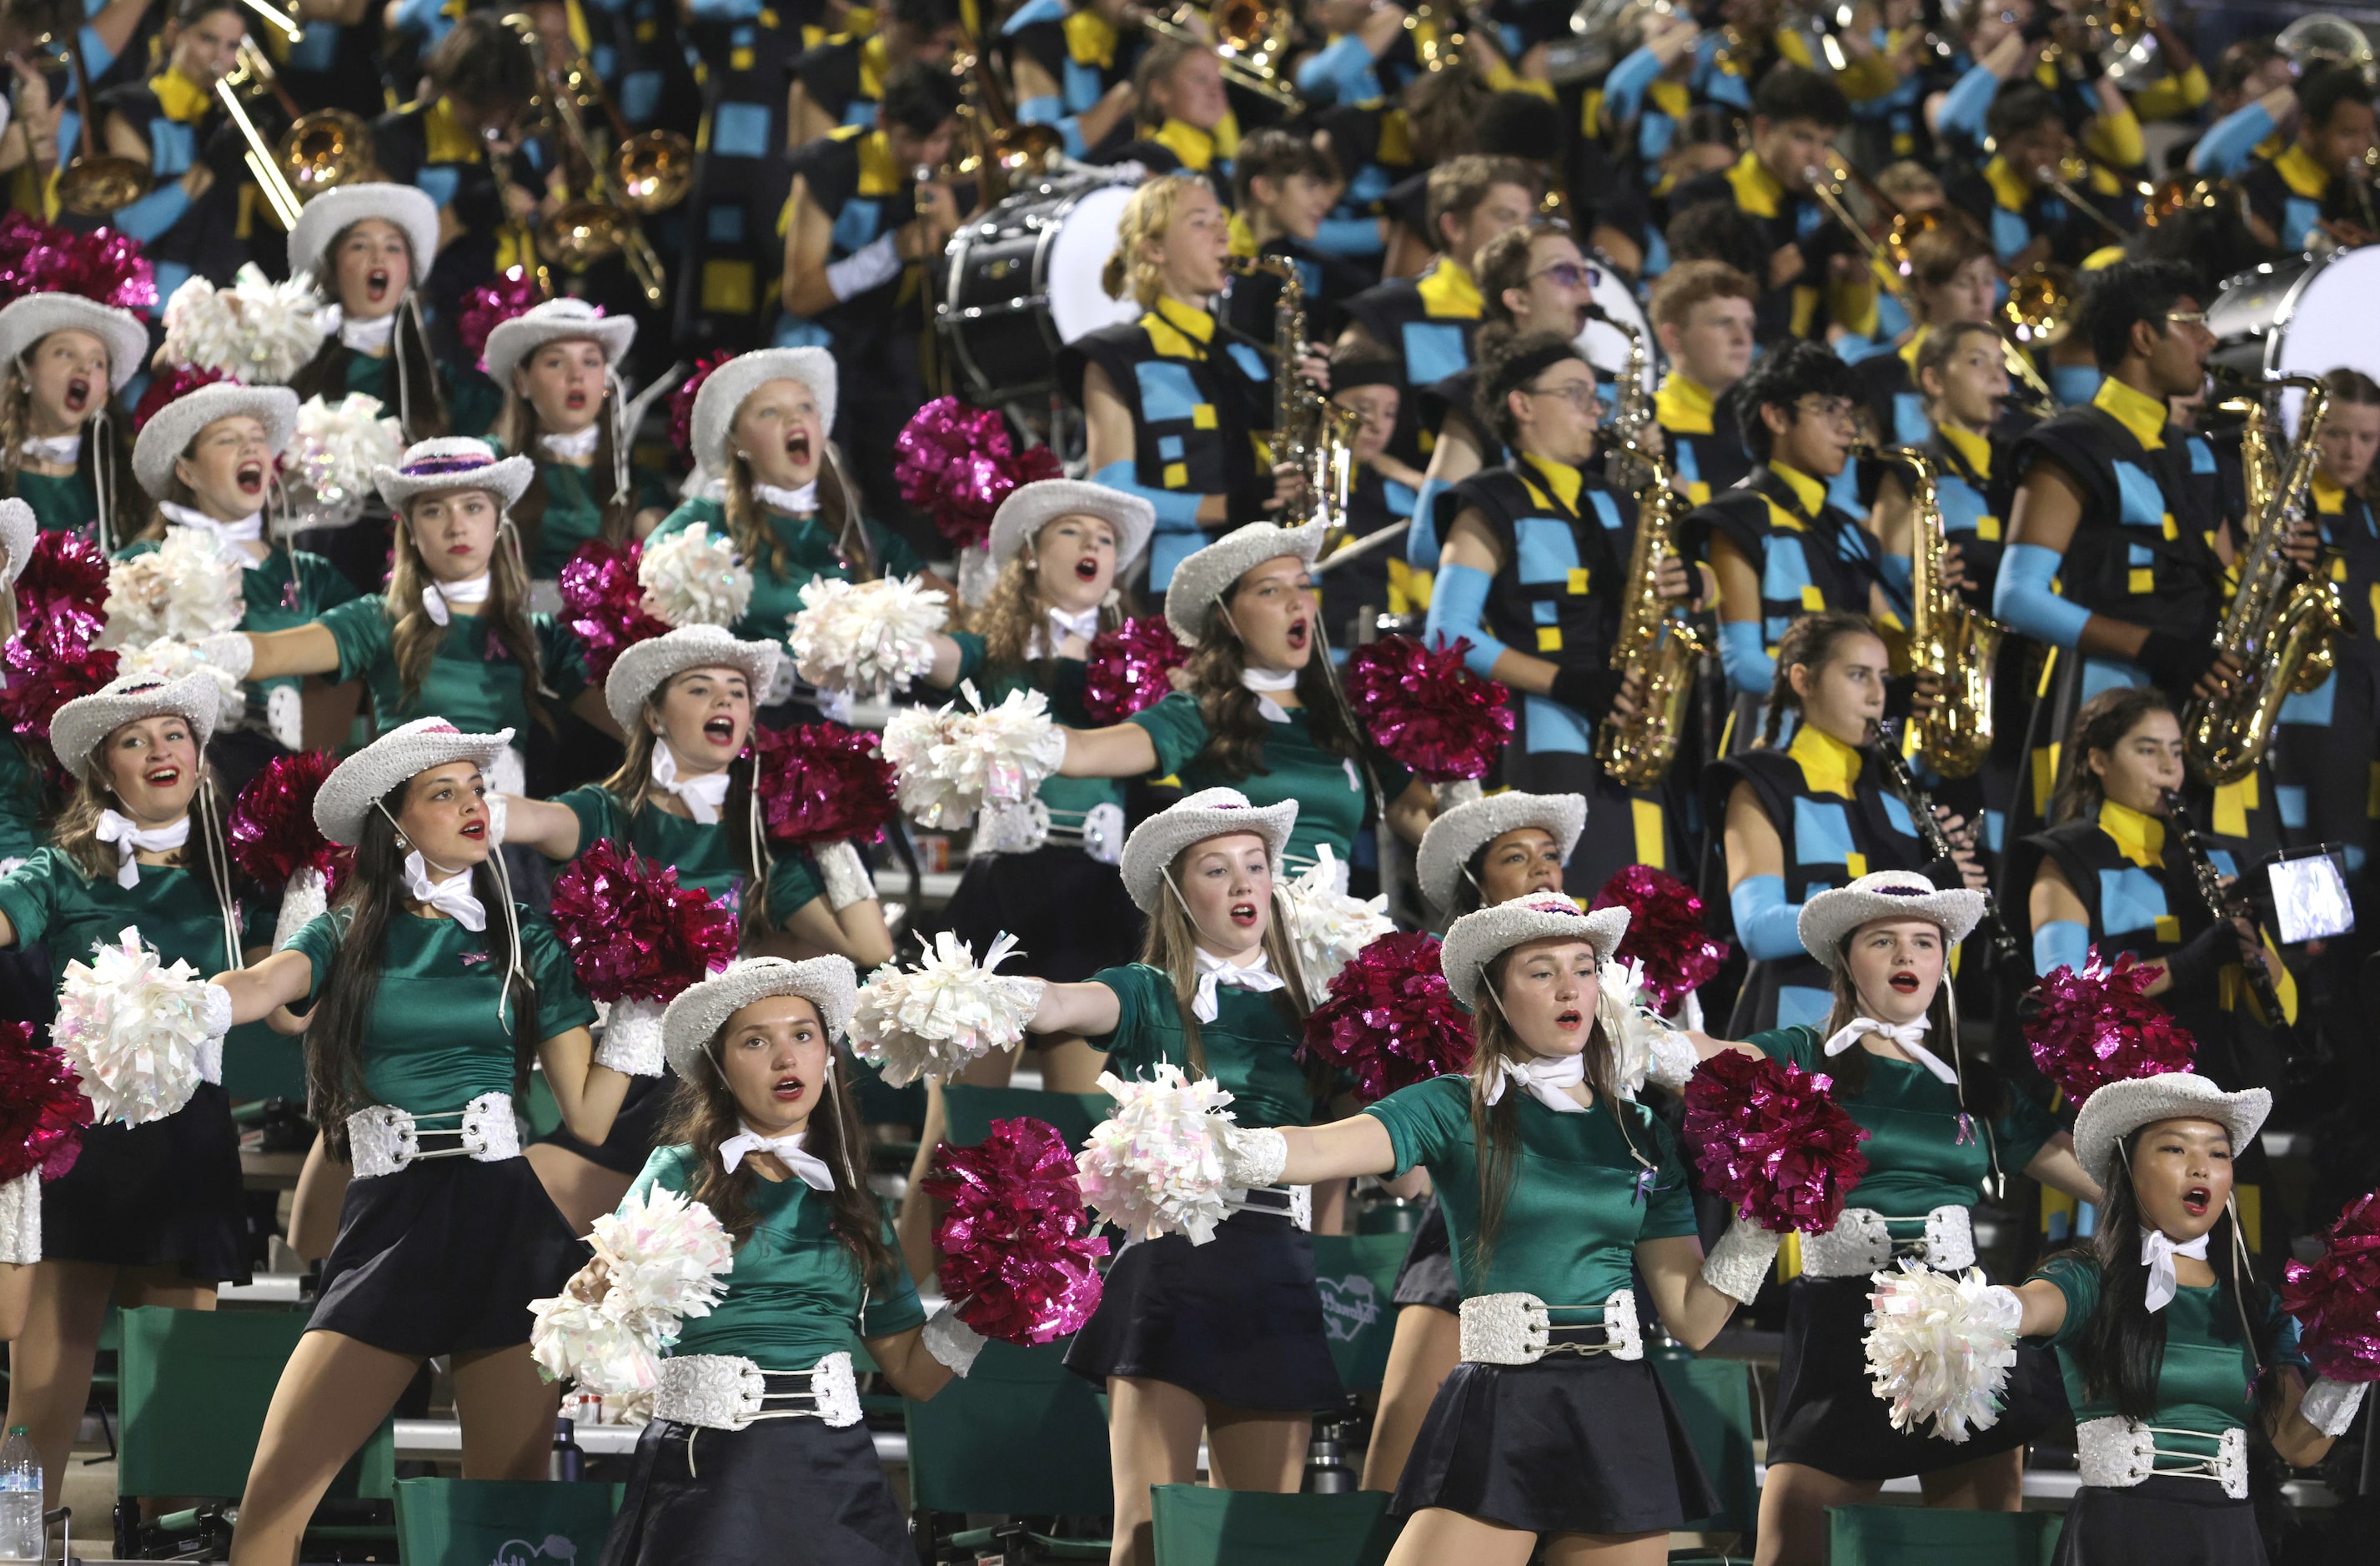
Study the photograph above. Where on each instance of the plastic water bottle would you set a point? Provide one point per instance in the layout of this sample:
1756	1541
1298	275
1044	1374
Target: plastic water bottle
567	1461
21	1496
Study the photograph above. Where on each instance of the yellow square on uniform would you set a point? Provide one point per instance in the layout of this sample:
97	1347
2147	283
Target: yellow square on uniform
1651	836
739	59
1812	599
1988	529
1549	638
1578	579
2141	579
2168	928
1855	863
1203	416
728	286
1177	475
2170	530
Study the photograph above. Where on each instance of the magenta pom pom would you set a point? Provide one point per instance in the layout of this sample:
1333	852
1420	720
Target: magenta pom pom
1431	714
1125	670
957	464
170	385
1771	1143
634	933
42	1110
1389	1021
102	265
488	306
1019	1260
603	604
681	404
823	782
50	662
2093	1027
272	824
1665	934
2336	1299
66	578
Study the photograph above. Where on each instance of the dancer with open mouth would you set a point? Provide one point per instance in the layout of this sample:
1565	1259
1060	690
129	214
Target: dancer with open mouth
63	358
368	246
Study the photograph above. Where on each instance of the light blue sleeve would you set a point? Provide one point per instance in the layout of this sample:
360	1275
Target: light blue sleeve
419	18
1177	510
1337	72
1456	599
1349	237
1624	90
2223	152
1966	105
1767	925
2060	944
2023	599
96	55
153	214
1898	570
1750	668
1421	538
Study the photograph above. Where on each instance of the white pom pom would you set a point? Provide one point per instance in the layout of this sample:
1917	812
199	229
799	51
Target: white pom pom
868	638
257	330
171	659
1328	925
662	1258
953	761
1937	1350
694	578
1156	1167
933	1019
577	1340
135	1029
1645	1048
328	475
187	587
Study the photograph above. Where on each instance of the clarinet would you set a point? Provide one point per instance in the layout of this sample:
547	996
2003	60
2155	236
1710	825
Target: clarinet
2221	902
1921	812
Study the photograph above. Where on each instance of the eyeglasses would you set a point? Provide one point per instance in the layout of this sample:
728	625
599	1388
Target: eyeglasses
1580	395
1838	410
1570	274
2186	317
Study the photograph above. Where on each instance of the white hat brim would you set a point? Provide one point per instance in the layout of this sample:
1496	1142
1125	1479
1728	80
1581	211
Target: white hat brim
24	322
347	795
1450	841
507	477
1478	937
724	391
1159	841
648	665
326	216
701	1010
1829	918
20	531
513	341
2114	1111
171	430
1031	507
1206	575
83	724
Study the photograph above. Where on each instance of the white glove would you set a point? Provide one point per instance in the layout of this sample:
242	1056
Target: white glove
495	804
229	651
1739	1264
631	1043
1254	1156
781	682
20	1220
2002	1308
214	1010
952	1342
845	874
871	266
2329	1406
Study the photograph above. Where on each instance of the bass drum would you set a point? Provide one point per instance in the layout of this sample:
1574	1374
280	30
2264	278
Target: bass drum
1605	343
2306	315
1024	281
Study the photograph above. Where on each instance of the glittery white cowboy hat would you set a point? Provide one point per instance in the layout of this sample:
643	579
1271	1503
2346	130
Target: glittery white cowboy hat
347	795
18	531
555	321
453	462
83	724
1210	812
27	320
1828	920
171	429
649	665
1481	936
1031	507
325	217
701	1010
1453	838
725	389
2114	1111
1206	575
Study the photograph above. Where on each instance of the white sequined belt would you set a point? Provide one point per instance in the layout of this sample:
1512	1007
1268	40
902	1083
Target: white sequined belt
1519	1329
384	1139
723	1391
2115	1453
1020	829
1862	1242
1295	1203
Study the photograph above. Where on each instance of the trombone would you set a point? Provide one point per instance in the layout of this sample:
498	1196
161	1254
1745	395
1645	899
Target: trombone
262	165
95	183
1249	38
288	26
322	147
2060	177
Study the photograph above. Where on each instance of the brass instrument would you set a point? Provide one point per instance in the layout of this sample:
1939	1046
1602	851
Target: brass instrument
322	148
2321	39
1938	842
1602	33
2060	177
648	173
1002	152
1631	410
2040	304
1441	33
1948	637
95	183
1656	644
2280	622
283	23
1309	431
1249	38
263	165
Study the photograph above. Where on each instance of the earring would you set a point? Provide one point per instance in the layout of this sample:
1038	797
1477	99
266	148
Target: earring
404	844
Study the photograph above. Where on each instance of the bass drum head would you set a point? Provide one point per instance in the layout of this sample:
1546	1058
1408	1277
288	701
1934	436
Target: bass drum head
1087	228
2332	324
1024	280
1604	346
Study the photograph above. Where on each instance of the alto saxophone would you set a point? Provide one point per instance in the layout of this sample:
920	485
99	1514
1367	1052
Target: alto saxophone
2280	624
1309	431
1655	643
1948	638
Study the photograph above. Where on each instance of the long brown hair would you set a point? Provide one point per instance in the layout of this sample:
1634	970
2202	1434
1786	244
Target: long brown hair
1172	947
632	785
1236	727
76	834
1981	1092
753	538
520	429
2101	724
703	1114
417	397
416	636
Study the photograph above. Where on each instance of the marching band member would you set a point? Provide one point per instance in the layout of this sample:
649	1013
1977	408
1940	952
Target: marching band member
2315	191
62	358
1702	311
1952	282
194	221
1071	64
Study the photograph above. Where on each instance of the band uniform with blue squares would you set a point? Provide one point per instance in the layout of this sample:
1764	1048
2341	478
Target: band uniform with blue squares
207	237
1812	558
1081	51
425	146
852	176
1426	323
2325	765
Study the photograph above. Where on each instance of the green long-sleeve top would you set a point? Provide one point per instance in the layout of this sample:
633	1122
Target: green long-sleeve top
809	554
20	804
62	502
704	854
573	516
473	683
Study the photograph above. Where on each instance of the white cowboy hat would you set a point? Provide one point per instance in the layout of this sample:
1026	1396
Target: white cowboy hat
347	795
2120	1109
1478	937
1206	575
645	667
171	429
1453	838
18	531
453	462
24	322
555	321
332	213
701	1010
1031	507
1828	918
83	724
724	391
1211	812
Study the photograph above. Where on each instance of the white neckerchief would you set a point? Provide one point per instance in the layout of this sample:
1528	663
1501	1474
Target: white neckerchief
807	1168
792	503
1058	624
451	896
1542	1077
131	838
1257	978
228	536
570	447
366	337
59	451
1911	1037
436	597
2157	1251
1263	680
703	796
